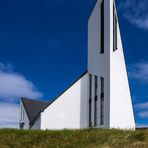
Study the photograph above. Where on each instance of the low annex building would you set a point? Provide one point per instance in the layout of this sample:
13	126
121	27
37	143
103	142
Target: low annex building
100	97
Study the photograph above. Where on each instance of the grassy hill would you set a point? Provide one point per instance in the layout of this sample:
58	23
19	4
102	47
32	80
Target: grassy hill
90	138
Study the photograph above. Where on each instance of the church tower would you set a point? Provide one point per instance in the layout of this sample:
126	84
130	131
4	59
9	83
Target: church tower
110	104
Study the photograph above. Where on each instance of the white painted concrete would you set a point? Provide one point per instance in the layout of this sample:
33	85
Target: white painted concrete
84	102
65	111
110	65
25	119
121	111
99	64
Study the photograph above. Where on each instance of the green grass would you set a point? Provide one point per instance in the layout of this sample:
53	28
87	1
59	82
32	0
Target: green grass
90	138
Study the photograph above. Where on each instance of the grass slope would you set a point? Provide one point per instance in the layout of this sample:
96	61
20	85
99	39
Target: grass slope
90	138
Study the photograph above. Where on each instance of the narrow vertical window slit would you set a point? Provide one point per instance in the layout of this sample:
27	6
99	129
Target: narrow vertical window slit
90	99
114	29
102	27
102	101
95	101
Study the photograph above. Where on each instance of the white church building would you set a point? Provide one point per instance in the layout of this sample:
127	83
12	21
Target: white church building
99	98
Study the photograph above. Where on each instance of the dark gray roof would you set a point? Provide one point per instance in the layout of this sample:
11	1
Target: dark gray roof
34	107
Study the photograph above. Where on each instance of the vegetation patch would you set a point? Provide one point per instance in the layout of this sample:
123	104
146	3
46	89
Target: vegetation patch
88	138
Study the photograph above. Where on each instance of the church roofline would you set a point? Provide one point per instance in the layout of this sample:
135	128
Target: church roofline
41	105
23	99
68	87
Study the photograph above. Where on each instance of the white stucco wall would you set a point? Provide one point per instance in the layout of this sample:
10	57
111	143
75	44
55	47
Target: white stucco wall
110	65
65	111
25	120
84	102
121	110
98	64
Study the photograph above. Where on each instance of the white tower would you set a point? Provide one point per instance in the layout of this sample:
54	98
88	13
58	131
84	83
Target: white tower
110	104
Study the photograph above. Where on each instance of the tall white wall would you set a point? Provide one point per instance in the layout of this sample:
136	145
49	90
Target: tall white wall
25	120
65	111
121	110
110	65
98	64
84	103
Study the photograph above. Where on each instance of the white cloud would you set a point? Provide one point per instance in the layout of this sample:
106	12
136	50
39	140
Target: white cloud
142	109
142	106
9	115
139	71
136	12
143	114
14	85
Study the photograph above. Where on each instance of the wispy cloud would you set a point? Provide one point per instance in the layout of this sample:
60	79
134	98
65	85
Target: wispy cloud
14	85
139	71
9	115
142	109
142	106
136	12
143	114
6	67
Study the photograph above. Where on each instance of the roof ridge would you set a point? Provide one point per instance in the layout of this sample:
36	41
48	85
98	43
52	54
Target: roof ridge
52	101
34	100
33	107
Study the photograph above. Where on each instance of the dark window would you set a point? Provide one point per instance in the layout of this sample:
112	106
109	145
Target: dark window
102	101
95	101
90	100
102	27
114	29
21	125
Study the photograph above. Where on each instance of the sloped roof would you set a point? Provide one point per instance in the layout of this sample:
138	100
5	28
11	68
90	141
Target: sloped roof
53	100
34	107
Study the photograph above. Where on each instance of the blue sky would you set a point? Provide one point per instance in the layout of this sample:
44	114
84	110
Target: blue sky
43	49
